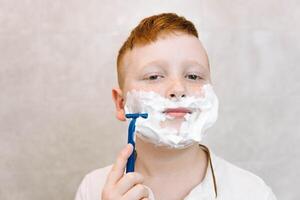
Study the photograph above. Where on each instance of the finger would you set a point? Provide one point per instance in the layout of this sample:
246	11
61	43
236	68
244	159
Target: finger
139	191
128	181
118	168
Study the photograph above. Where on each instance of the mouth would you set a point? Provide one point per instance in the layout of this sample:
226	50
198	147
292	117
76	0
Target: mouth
177	112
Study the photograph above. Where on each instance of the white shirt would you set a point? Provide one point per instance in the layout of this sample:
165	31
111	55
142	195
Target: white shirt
223	181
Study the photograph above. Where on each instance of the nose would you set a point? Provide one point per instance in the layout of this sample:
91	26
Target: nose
176	90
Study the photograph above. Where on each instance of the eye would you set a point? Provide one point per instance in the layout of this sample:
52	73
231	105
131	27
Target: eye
153	77
193	76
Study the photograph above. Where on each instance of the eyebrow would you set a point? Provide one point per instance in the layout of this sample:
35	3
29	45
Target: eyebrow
192	62
155	62
162	62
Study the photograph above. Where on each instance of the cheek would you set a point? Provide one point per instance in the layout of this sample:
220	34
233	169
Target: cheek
196	90
140	86
159	90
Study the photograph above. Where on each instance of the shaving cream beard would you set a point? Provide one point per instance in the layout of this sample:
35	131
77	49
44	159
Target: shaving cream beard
164	130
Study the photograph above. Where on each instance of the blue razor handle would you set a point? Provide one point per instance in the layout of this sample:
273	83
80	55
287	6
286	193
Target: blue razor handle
131	130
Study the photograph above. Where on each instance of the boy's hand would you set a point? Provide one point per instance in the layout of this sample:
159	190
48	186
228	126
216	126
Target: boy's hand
120	186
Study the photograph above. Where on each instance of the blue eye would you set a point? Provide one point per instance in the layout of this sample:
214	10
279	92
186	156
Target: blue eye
193	77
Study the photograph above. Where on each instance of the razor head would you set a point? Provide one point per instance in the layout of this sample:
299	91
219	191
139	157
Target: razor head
137	115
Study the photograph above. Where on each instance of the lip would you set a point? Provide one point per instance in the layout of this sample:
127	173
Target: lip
177	112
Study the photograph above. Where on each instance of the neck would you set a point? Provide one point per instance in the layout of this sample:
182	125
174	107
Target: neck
161	161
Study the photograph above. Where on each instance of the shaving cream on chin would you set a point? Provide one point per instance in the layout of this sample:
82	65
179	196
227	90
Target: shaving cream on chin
204	113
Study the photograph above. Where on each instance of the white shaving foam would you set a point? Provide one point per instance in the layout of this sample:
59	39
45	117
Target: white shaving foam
204	115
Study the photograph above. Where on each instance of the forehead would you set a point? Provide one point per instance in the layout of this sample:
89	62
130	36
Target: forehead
172	49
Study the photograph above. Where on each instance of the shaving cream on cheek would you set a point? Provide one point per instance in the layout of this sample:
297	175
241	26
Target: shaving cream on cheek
164	130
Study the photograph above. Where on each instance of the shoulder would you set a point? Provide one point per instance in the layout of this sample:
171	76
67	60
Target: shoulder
92	184
237	183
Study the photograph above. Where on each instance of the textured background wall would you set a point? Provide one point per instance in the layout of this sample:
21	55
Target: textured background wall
57	68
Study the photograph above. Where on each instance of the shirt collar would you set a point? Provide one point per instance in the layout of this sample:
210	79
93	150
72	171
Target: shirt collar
207	189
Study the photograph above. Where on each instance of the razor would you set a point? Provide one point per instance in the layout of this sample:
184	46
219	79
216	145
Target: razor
131	130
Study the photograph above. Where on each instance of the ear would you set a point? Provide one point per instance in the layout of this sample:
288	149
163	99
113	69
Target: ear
117	96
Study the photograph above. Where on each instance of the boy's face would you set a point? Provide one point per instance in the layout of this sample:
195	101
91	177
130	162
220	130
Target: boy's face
174	66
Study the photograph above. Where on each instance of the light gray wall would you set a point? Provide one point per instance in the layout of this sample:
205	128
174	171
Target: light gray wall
57	68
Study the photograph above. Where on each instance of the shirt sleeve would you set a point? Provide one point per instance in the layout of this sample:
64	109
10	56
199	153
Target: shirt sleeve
82	191
271	195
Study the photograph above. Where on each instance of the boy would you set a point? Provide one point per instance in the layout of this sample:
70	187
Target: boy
163	70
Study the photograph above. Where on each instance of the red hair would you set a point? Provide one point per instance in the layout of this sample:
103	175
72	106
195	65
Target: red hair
149	29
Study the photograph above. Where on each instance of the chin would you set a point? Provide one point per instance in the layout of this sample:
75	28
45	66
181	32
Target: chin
173	123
